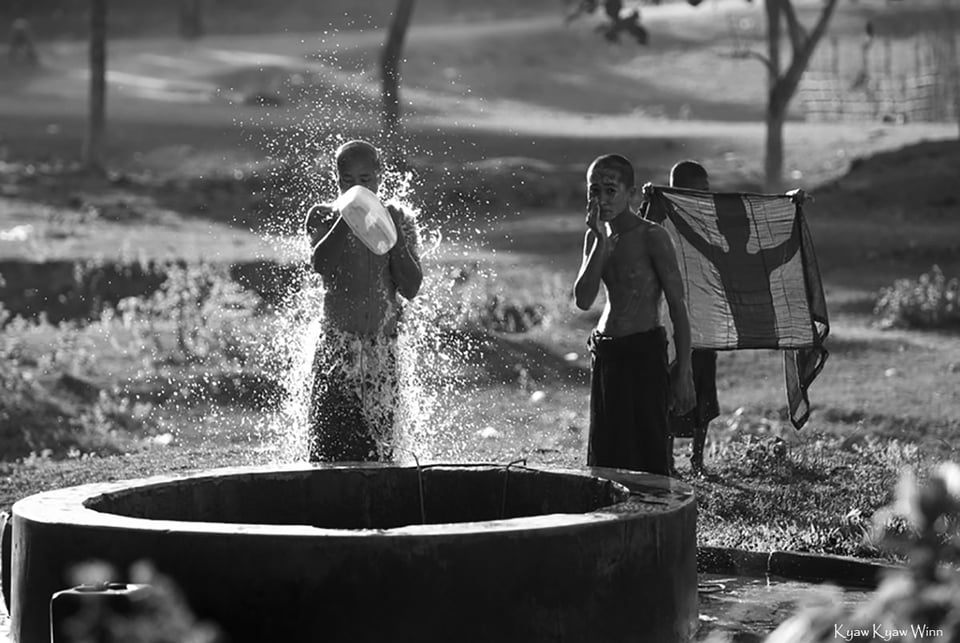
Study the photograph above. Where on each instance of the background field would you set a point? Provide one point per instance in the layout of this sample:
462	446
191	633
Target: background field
214	149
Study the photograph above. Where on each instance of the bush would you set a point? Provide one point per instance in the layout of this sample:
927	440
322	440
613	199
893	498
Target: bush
46	409
919	602
932	301
470	300
208	312
162	615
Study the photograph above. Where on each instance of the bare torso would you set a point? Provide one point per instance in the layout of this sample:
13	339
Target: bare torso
631	284
361	295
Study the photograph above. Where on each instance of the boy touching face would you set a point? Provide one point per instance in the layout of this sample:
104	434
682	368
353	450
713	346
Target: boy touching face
631	388
693	176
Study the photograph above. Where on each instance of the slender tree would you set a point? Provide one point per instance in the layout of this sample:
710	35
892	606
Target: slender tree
96	124
390	60
783	79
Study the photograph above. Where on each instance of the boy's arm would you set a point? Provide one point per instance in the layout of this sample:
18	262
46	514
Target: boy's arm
668	272
781	254
405	265
693	237
596	250
326	241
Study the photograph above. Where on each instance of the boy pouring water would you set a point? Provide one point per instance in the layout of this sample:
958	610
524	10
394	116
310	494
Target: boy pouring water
355	389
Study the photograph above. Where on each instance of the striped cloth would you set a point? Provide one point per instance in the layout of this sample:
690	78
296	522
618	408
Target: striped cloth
750	277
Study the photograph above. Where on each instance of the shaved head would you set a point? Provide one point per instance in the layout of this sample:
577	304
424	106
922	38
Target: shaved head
690	175
617	164
357	150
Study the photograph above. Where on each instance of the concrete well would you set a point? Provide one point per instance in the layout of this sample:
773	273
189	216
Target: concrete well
382	552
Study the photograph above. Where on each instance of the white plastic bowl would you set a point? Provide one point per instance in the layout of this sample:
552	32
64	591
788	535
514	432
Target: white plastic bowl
368	219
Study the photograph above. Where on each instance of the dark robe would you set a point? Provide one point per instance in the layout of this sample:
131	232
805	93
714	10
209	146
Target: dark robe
629	393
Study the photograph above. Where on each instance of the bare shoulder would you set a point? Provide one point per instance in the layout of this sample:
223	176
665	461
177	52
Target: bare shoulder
656	235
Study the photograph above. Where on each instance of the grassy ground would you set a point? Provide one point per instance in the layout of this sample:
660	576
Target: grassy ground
886	400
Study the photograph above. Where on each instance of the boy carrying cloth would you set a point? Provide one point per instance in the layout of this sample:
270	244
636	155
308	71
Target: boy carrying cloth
631	389
693	424
355	387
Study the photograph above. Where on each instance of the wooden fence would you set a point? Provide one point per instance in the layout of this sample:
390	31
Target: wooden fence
890	80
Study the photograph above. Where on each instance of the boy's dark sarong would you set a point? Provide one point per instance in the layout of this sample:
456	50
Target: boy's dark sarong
353	399
704	366
629	390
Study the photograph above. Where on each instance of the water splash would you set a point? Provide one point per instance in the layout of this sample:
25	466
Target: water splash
329	97
431	357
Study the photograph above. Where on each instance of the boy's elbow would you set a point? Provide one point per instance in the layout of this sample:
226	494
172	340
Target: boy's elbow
412	288
580	298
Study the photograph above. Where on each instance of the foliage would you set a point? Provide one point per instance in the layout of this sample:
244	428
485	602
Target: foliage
823	489
919	602
932	301
502	313
161	616
468	300
207	312
47	409
56	403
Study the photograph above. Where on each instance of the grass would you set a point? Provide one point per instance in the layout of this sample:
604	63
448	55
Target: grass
883	403
190	184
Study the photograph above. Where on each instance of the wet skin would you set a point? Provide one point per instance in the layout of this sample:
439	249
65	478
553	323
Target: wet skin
361	287
634	260
627	246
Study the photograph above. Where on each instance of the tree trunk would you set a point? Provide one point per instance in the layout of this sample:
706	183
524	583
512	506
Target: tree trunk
774	32
390	80
773	153
191	19
93	147
783	84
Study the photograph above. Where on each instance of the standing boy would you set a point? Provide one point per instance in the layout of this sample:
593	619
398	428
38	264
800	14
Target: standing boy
355	388
631	388
693	424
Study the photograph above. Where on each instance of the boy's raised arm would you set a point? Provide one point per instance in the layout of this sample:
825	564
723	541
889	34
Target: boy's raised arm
668	272
596	249
405	265
326	241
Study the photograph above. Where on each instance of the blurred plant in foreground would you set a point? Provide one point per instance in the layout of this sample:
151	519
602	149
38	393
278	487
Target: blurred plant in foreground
920	602
162	617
